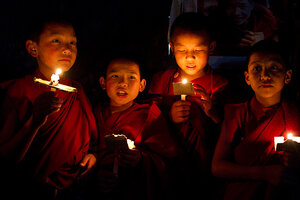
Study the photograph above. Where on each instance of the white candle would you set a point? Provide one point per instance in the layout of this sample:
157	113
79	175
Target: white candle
277	140
294	138
183	96
280	139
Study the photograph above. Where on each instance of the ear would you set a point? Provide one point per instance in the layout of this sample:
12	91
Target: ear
172	47
212	47
142	85
31	48
102	82
288	76
247	78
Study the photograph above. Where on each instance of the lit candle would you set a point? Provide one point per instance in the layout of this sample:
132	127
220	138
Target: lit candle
183	89
294	138
280	140
183	96
55	77
54	84
130	144
277	140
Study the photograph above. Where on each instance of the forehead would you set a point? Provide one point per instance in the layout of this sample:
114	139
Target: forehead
58	29
121	65
190	35
265	56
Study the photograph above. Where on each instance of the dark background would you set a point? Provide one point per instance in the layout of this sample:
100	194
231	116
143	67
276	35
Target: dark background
106	28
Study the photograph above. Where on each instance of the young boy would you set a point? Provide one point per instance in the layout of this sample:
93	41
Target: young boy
245	151
196	118
141	172
45	135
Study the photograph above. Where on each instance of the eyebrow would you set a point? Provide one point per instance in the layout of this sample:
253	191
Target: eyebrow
179	44
131	72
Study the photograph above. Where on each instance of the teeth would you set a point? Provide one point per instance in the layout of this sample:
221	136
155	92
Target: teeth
121	92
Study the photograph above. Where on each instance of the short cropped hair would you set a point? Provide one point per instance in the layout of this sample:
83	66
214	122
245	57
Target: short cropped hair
194	22
38	25
126	57
270	46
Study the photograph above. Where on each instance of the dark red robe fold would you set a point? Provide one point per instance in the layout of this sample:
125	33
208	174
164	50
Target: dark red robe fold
61	143
145	125
198	135
251	129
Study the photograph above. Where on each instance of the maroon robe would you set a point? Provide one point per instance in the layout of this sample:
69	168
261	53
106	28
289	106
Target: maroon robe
198	135
144	124
251	130
60	144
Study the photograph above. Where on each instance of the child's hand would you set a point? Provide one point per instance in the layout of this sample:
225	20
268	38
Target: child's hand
247	40
88	162
180	111
106	181
45	104
130	158
204	101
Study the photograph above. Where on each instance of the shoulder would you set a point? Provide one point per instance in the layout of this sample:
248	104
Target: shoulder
233	111
219	79
16	87
150	109
160	80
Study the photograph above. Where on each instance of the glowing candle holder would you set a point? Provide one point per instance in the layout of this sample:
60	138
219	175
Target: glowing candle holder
183	89
54	82
292	143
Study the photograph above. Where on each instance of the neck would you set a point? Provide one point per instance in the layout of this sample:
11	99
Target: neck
119	108
268	102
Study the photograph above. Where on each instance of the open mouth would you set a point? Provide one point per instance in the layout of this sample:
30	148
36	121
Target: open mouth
122	93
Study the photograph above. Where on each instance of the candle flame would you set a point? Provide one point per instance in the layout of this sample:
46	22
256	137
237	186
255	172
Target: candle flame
184	81
290	136
130	144
58	71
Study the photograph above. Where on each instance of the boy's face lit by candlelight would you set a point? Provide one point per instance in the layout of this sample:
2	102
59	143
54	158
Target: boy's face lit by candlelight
267	75
191	51
57	47
122	83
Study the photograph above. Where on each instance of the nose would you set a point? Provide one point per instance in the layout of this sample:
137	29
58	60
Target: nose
190	55
122	81
67	50
265	75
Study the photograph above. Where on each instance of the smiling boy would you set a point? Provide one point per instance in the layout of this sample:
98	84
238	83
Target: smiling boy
194	121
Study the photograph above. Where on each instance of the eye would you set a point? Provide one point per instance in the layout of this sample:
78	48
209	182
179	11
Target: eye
56	41
199	50
276	68
181	50
132	77
257	68
73	43
114	76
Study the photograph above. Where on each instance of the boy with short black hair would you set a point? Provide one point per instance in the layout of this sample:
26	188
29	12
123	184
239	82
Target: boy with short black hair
196	119
245	151
45	135
140	172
